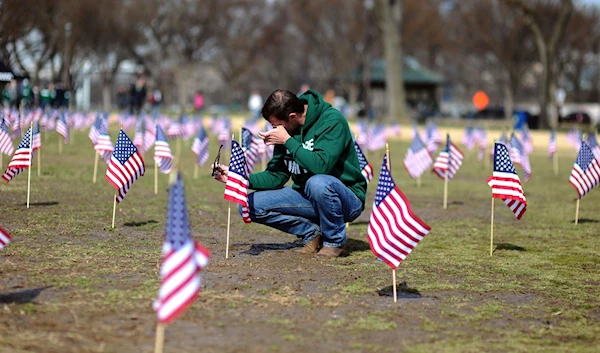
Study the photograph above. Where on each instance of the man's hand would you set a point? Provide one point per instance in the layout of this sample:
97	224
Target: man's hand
277	136
220	173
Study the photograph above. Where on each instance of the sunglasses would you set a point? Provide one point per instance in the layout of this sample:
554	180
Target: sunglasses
216	165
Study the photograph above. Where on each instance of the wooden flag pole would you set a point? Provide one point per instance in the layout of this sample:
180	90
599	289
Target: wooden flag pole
114	210
59	145
196	170
555	160
30	164
1	162
577	212
96	167
160	338
39	168
178	149
228	217
445	189
155	178
418	181
394	285
492	230
387	154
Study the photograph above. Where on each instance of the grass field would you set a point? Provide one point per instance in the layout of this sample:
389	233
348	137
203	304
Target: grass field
68	283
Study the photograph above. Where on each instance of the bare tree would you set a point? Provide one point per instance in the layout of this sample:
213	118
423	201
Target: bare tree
389	19
547	43
498	31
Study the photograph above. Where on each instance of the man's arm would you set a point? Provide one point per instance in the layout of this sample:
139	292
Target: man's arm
274	177
327	149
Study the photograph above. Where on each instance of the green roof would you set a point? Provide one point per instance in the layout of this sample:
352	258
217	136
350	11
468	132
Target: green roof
412	72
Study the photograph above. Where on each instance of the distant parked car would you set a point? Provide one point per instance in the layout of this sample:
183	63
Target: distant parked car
575	118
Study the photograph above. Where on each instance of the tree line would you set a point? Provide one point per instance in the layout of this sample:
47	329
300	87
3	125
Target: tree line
513	49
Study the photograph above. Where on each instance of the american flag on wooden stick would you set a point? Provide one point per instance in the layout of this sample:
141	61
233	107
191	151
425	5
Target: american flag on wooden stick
519	156
236	187
93	134
5	238
366	168
126	165
552	144
6	145
417	159
593	144
104	145
505	182
62	127
448	161
200	146
21	160
250	146
586	171
162	152
183	259
394	230
36	139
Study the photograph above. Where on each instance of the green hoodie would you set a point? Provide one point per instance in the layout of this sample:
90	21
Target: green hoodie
323	145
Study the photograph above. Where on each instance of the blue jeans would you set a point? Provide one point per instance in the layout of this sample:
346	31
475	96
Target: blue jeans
324	207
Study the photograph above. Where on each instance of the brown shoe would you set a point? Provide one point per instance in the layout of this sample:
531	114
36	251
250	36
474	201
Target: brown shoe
329	251
312	246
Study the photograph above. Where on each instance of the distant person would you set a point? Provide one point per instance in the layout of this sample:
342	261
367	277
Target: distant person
138	95
155	99
12	94
255	103
305	87
46	97
198	101
329	96
122	98
26	93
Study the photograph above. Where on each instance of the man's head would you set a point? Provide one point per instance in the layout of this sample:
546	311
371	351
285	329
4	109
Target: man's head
282	107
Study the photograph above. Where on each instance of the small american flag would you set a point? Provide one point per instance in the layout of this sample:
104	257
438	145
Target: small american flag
62	127
448	161
5	238
200	146
377	138
93	134
394	230
593	144
236	187
505	182
21	160
434	139
552	144
250	146
183	259
417	158
519	156
162	152
149	132
481	142
125	167
6	145
365	167
574	138
586	171
527	141
36	141
104	145
16	124
469	138
138	139
224	134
